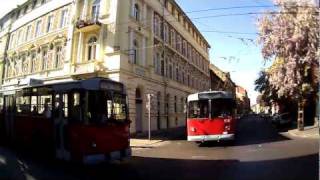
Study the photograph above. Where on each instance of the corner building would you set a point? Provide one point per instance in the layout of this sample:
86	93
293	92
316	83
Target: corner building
149	45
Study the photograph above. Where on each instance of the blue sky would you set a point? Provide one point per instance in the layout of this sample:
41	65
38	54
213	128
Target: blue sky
242	58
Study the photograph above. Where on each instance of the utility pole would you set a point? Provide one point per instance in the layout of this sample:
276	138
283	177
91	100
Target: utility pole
149	96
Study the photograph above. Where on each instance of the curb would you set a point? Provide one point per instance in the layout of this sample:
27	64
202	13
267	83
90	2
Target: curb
146	144
303	135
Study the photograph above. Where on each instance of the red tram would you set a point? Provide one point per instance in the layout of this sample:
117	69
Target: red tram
84	121
211	116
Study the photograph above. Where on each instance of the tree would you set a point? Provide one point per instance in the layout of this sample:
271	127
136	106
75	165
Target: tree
262	85
291	35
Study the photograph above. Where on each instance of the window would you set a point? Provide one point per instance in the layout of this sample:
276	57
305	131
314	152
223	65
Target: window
198	109
177	74
58	57
28	33
25	65
45	105
23	104
184	48
64	16
136	12
34	3
166	33
33	63
156	26
18	14
135	55
173	38
162	67
170	71
157	63
92	48
175	104
19	37
12	41
179	43
25	9
50	23
38	28
95	10
44	59
222	107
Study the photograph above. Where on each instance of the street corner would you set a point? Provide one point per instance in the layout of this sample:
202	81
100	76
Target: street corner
310	132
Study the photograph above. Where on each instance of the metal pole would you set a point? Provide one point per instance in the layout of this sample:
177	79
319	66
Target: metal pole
149	116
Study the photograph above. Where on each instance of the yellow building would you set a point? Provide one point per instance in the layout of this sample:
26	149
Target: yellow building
149	45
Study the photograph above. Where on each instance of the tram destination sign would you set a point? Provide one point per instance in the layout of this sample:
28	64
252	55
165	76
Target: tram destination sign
215	95
111	86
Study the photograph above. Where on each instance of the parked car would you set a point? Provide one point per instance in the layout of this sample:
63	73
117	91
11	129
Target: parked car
281	119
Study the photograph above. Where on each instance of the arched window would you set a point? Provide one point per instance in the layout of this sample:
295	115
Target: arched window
92	48
135	52
136	12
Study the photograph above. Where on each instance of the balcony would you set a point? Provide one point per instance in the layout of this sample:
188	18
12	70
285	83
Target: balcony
88	24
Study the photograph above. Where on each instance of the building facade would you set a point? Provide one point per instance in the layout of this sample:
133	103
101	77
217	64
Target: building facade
151	46
243	101
220	80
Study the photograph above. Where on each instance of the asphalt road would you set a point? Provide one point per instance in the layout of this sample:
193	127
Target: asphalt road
259	152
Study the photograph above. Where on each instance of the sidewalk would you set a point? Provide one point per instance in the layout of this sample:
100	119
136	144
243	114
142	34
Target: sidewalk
309	132
158	137
144	143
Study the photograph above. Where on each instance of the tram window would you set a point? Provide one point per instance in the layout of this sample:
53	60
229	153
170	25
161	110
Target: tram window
60	106
45	106
23	104
199	109
34	105
96	107
1	104
76	110
65	106
109	108
119	107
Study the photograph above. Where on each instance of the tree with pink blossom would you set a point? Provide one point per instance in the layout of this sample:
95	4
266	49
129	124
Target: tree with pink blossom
290	36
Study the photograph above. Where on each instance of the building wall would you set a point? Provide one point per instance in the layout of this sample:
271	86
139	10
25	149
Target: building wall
39	42
124	42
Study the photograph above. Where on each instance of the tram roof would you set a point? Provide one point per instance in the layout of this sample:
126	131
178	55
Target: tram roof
88	84
210	95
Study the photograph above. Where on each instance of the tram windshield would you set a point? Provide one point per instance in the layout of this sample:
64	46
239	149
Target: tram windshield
218	108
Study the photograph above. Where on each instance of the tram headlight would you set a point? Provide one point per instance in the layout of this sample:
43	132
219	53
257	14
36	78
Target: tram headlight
193	129
227	120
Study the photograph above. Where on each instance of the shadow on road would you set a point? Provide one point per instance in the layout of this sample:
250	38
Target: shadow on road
257	130
304	167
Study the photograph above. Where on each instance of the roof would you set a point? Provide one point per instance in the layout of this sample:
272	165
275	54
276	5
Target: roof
224	76
88	84
211	95
188	19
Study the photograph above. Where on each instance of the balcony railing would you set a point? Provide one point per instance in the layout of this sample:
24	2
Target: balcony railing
89	21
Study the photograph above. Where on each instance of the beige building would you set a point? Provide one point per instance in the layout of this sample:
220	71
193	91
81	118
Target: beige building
149	45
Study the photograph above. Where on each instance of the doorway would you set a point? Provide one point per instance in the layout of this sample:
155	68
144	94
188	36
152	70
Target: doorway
138	111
